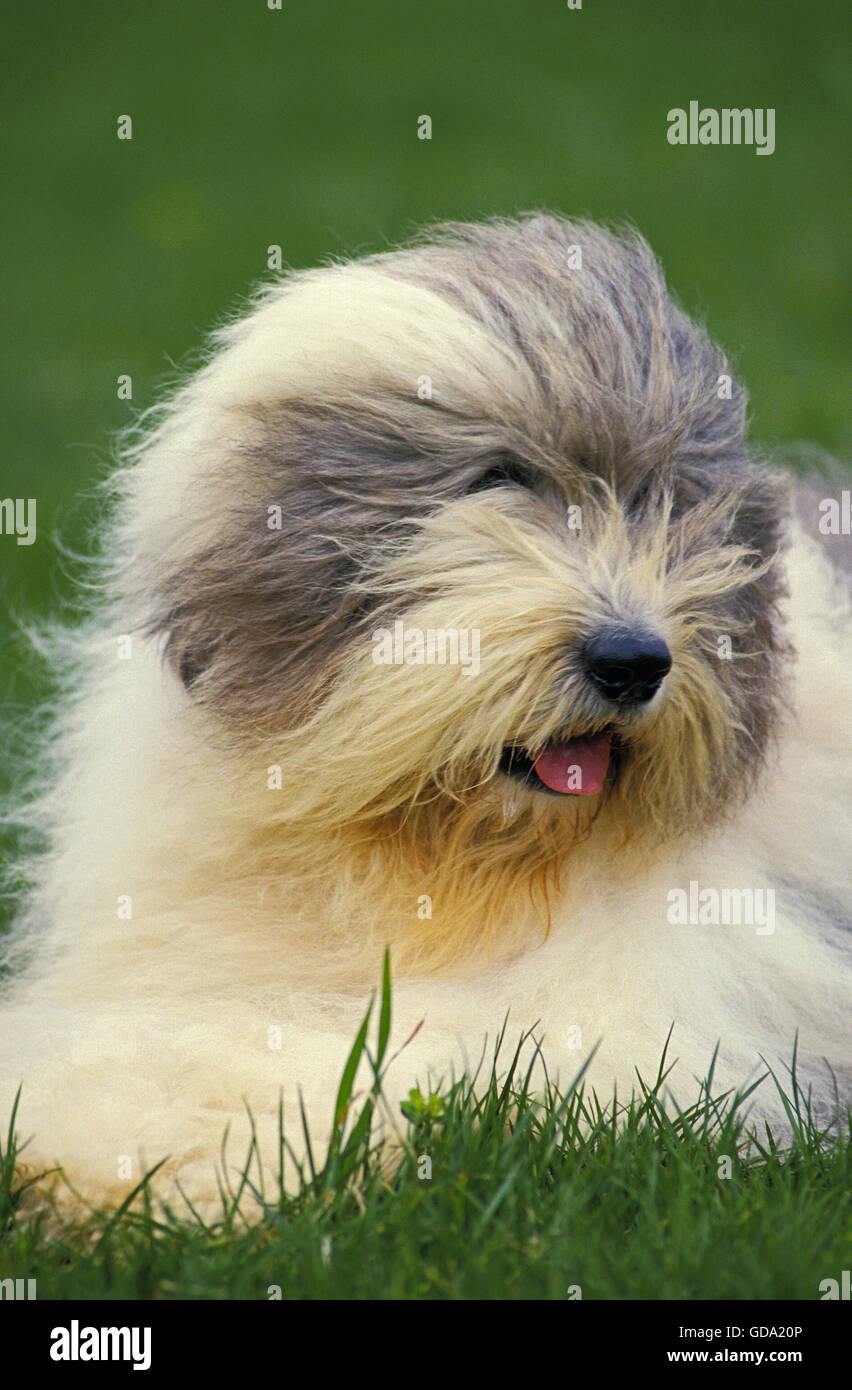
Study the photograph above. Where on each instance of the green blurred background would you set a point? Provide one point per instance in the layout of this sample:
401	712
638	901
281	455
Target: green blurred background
253	126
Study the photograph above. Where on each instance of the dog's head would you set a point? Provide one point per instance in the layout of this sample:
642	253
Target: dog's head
466	536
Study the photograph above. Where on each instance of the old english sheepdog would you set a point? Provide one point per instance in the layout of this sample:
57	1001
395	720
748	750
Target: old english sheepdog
445	609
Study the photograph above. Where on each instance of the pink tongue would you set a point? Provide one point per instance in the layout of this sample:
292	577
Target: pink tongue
577	767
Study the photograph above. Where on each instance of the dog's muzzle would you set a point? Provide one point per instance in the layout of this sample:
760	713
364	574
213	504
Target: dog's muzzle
626	667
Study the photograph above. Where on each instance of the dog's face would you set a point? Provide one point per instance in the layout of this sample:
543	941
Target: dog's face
508	433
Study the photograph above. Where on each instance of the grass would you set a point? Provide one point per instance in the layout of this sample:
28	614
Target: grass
523	1197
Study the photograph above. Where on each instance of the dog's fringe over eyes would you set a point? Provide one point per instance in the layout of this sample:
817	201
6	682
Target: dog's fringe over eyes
507	431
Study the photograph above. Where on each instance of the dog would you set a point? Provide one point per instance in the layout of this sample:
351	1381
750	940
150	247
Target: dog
443	610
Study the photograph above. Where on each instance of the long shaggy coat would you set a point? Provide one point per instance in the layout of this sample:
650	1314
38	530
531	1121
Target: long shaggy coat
508	429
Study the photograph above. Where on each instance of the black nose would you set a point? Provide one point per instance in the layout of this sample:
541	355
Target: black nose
628	667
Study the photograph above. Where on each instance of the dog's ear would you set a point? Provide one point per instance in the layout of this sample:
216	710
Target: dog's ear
761	511
252	623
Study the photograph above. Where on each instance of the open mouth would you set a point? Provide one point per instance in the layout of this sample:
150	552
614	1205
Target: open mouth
565	767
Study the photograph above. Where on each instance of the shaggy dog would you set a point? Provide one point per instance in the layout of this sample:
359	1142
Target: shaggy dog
444	609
